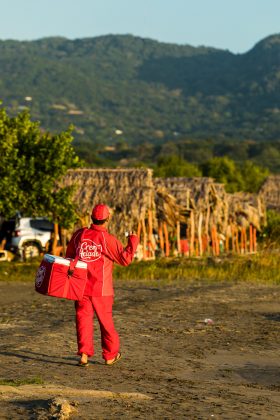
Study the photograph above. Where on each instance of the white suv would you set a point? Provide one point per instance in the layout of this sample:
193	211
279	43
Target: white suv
26	236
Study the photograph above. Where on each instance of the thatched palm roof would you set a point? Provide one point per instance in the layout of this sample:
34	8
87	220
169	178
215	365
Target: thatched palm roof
133	194
202	195
128	192
246	209
187	191
167	207
270	191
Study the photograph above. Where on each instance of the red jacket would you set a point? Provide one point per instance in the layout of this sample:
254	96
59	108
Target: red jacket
100	250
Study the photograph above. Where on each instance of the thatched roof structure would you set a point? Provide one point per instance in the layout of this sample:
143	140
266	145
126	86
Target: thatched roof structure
190	193
201	195
208	198
128	192
195	208
270	191
246	209
168	209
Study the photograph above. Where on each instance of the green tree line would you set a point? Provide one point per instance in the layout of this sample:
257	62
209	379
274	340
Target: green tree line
245	177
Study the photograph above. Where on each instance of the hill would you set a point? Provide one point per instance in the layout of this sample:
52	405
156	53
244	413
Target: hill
124	87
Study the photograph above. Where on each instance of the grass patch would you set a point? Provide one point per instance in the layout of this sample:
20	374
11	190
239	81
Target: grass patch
263	267
17	382
19	271
258	268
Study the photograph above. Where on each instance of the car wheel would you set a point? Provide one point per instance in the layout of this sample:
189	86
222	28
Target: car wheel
30	250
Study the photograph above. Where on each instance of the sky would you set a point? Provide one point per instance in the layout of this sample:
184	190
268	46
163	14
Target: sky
236	25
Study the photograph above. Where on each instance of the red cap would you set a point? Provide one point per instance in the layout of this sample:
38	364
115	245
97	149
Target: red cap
100	212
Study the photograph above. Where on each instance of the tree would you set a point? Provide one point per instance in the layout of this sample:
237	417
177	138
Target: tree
169	166
271	232
224	170
32	165
253	176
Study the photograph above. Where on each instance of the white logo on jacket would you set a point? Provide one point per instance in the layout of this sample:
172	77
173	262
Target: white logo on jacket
90	251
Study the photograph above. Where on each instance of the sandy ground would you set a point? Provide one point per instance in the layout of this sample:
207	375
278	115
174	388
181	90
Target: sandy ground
174	366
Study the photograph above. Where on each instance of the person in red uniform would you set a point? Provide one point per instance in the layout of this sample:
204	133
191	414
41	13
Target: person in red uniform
99	250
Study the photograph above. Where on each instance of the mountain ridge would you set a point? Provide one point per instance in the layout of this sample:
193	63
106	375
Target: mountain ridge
145	89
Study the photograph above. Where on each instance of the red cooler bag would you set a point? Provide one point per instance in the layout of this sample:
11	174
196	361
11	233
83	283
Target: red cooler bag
61	277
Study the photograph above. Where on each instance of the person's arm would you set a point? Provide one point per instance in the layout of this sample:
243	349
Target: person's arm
117	253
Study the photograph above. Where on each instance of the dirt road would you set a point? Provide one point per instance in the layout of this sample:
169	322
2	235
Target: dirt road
174	365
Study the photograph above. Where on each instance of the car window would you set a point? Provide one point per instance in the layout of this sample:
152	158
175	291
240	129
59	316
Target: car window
41	224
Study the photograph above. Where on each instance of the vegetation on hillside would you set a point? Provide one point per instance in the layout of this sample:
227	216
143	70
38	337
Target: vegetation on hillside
197	152
123	89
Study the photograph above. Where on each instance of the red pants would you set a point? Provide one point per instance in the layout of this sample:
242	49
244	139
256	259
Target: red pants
85	309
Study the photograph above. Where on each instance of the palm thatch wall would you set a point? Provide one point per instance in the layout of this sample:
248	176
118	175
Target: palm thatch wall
200	196
128	192
214	217
246	209
168	208
270	191
196	208
203	195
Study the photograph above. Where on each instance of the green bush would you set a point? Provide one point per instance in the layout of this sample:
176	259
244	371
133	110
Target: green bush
271	232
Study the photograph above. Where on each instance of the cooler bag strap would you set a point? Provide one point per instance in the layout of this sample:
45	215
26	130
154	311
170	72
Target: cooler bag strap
74	262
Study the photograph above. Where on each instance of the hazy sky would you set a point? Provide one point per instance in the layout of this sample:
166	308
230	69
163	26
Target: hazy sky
229	24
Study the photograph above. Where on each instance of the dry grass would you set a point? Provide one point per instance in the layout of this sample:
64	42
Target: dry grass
259	268
263	267
18	382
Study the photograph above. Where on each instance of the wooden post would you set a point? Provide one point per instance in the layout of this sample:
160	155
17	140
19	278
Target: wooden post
192	234
63	240
199	233
207	232
204	243
139	230
167	245
2	244
161	239
232	230
188	239
237	241
196	247
55	235
151	241
217	243
150	223
227	240
188	199
178	238
213	239
245	241
144	239
255	239
251	238
241	241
